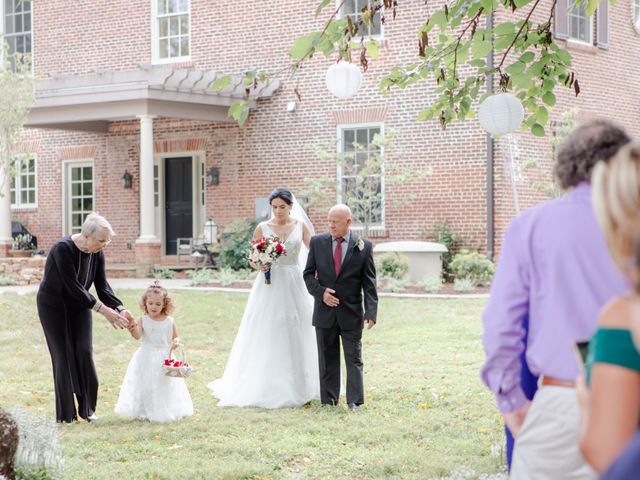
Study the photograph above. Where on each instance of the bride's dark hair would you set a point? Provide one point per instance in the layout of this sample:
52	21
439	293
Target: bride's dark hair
283	194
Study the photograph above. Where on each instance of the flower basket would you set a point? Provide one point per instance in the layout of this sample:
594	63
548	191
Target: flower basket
177	367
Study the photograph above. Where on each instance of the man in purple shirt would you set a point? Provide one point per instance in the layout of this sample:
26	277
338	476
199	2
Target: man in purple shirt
555	270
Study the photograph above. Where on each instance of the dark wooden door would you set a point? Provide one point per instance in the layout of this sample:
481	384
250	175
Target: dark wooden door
178	201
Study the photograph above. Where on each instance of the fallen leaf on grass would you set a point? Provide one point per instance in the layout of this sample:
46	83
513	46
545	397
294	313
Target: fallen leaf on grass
174	446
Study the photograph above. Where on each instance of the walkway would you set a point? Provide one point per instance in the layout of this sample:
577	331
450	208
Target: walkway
183	284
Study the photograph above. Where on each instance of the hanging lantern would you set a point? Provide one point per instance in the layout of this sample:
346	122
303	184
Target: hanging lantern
501	113
343	79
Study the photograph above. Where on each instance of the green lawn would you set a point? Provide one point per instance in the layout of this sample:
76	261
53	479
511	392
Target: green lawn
427	414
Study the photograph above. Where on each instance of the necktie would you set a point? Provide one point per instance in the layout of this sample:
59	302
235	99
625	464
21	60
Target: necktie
337	255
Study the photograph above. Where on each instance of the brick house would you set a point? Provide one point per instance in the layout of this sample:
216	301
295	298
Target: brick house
122	96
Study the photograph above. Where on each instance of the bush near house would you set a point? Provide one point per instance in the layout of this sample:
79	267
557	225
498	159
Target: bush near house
472	266
392	265
234	245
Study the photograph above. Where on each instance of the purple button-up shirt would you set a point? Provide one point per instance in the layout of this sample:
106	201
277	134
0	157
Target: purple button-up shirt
554	268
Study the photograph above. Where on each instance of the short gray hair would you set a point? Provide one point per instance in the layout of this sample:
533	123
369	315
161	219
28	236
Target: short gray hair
95	223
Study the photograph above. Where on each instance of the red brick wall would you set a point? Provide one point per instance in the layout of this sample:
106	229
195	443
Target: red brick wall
276	148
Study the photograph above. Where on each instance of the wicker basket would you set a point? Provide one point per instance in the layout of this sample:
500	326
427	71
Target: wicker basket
183	369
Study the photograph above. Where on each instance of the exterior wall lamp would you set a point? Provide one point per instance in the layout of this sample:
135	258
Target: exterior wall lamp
213	175
127	179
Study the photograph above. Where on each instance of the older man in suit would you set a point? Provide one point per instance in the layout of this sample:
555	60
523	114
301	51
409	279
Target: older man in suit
339	273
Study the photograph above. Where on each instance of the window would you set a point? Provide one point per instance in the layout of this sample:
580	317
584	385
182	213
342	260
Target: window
171	30
79	195
23	185
635	11
580	24
16	27
354	8
360	173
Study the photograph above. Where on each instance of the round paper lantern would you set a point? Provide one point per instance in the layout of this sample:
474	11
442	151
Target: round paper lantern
501	113
344	79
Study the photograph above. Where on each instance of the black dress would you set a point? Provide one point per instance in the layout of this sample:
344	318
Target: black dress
64	308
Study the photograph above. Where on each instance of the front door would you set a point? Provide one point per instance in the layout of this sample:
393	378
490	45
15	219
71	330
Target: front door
178	201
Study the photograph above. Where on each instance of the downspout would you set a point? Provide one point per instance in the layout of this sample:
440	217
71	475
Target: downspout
490	155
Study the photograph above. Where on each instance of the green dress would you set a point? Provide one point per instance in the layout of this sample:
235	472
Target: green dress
614	346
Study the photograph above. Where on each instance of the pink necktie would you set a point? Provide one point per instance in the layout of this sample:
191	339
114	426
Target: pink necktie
337	255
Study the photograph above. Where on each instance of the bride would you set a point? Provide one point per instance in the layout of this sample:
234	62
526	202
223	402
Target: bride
274	362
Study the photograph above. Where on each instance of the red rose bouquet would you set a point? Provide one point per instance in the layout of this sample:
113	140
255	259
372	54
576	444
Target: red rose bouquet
264	252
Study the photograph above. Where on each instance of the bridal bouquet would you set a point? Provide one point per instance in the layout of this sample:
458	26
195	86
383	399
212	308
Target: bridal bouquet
264	252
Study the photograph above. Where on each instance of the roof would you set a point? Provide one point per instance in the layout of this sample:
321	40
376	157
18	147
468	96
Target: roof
91	102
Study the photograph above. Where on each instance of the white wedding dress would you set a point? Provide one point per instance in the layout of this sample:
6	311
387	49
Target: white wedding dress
274	361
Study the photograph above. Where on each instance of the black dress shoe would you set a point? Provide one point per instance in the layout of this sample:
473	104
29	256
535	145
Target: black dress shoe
353	407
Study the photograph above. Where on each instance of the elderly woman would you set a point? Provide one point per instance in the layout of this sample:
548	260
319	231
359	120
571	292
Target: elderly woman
64	307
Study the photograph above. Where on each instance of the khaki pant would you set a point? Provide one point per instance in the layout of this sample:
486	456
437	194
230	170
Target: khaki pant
547	446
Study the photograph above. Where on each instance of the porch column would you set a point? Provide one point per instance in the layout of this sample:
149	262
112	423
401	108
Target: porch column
6	239
148	248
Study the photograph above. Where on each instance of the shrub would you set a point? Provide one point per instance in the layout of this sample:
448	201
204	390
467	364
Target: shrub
7	280
164	274
463	285
392	265
472	266
396	285
444	235
226	276
201	276
432	283
235	244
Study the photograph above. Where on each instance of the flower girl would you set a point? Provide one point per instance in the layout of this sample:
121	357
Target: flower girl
146	392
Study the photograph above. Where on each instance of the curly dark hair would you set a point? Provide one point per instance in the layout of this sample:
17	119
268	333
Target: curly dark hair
283	194
586	145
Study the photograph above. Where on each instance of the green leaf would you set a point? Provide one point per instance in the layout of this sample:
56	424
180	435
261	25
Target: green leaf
537	130
439	18
425	114
323	4
515	68
488	5
591	6
542	115
505	28
478	62
221	83
549	98
372	49
504	42
521	3
521	81
564	56
480	48
303	46
239	111
527	57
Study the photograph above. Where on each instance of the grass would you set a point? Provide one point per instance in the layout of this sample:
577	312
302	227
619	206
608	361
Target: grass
427	414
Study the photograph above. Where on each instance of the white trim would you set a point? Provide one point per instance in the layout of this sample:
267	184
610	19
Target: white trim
198	210
2	33
351	126
635	15
378	37
18	205
155	38
67	165
590	27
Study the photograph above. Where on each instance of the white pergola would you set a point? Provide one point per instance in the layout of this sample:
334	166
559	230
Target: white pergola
90	103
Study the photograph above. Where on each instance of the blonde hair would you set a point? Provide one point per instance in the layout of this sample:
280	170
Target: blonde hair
155	288
616	201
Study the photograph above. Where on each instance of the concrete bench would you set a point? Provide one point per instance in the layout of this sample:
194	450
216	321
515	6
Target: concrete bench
425	258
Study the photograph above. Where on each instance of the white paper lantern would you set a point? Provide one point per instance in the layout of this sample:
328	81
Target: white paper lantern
501	113
344	79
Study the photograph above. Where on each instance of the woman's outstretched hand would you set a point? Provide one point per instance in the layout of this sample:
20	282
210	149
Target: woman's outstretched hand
115	319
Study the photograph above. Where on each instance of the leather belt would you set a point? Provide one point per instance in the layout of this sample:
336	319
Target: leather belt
556	382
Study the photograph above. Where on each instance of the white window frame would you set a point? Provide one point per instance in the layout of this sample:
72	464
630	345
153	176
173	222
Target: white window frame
67	165
635	14
571	13
18	187
340	151
155	37
377	36
3	33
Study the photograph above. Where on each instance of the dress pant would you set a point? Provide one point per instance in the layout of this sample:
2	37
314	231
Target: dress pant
69	337
547	446
329	363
